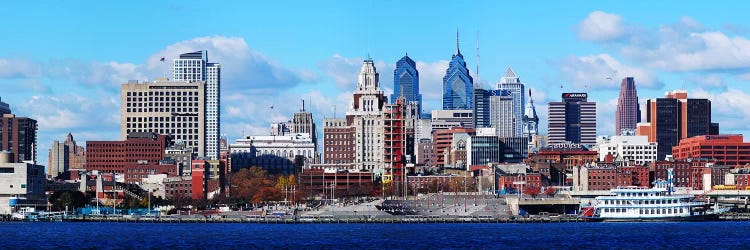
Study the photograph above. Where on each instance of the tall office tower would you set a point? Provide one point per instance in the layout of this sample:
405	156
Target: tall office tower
4	108
502	113
406	81
458	86
303	122
530	122
194	67
573	120
59	159
513	84
366	115
482	108
673	118
169	108
628	114
18	135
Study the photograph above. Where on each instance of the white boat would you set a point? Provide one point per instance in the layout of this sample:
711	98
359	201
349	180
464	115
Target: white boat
647	204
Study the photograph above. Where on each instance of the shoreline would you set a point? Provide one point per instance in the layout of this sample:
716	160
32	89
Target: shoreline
341	220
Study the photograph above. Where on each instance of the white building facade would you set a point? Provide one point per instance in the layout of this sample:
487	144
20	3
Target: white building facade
274	153
628	148
367	118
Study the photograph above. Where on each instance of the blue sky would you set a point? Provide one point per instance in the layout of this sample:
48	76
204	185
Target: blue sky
62	62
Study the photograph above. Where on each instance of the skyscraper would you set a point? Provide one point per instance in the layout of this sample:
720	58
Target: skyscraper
18	135
628	114
406	81
573	120
458	86
530	122
4	108
502	113
367	117
59	159
482	108
194	67
512	83
676	117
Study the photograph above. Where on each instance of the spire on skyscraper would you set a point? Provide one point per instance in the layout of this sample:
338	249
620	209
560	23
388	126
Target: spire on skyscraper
458	51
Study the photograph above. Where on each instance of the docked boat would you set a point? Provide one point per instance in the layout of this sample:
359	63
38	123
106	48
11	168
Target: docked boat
647	204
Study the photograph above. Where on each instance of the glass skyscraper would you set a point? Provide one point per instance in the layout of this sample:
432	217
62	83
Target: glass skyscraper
406	82
512	83
458	86
193	67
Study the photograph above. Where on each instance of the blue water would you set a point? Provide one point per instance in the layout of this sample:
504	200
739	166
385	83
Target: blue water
677	235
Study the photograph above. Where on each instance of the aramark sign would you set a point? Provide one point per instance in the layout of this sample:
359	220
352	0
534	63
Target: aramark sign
575	95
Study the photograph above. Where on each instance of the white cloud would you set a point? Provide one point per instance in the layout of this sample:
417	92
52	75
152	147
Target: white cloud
605	119
603	71
18	68
601	26
241	66
729	108
342	70
431	83
685	45
709	81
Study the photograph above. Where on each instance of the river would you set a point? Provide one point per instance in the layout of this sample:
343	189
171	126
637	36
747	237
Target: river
80	235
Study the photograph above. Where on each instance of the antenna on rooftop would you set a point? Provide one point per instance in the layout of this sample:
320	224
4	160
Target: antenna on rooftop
478	85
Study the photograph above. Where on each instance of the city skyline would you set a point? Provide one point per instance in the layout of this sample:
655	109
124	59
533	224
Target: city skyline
70	76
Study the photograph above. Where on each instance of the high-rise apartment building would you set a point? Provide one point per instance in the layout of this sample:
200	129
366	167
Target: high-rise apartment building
194	67
573	120
176	109
628	114
675	117
394	139
4	108
511	86
18	135
406	82
458	85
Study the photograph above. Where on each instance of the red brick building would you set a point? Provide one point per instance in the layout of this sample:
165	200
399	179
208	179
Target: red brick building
729	150
18	135
690	173
513	181
113	156
338	141
569	156
441	141
320	181
135	172
606	178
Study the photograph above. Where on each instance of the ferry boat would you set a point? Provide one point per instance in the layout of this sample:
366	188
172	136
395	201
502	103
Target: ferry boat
647	204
